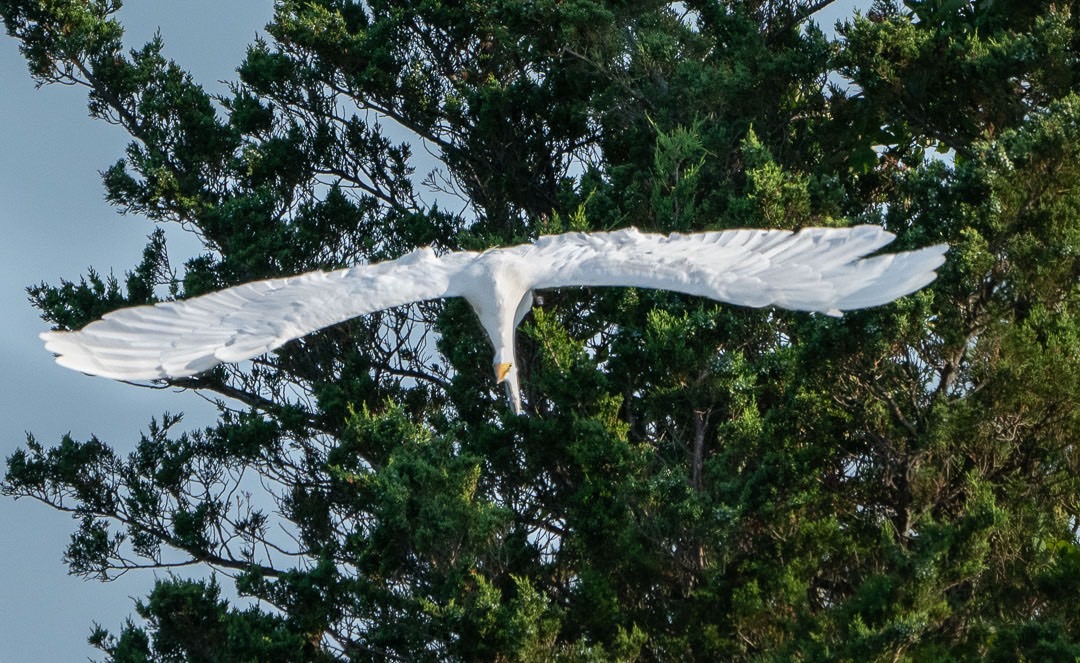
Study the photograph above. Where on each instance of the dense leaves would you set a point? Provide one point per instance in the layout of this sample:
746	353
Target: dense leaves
692	481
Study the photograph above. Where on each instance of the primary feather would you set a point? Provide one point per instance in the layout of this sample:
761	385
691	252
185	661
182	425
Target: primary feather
816	269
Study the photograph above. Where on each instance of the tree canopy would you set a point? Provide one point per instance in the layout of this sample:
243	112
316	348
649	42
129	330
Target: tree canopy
692	481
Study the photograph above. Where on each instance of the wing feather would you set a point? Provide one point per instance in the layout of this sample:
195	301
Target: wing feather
815	269
182	338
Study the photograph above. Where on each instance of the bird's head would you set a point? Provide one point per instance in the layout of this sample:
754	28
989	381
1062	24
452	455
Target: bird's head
506	373
502	371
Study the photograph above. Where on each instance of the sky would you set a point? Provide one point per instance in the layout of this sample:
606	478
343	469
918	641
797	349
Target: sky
55	223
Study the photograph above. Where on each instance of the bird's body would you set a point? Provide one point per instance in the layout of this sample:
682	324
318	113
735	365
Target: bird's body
816	269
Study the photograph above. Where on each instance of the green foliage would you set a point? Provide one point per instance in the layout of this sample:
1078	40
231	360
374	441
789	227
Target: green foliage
189	622
692	481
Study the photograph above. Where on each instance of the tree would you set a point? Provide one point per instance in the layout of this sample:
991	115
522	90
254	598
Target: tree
692	481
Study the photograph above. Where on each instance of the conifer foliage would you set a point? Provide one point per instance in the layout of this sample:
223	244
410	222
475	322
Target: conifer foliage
692	481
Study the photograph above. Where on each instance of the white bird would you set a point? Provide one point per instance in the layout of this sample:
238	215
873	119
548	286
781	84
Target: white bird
815	269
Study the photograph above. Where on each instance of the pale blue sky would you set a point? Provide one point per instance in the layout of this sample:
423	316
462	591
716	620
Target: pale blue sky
55	223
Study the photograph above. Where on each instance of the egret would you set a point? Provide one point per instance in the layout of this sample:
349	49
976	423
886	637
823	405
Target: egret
815	269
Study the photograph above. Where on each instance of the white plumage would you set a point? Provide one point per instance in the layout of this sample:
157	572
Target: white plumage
815	269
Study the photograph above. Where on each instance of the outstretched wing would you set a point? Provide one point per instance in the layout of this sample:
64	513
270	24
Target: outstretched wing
815	269
182	338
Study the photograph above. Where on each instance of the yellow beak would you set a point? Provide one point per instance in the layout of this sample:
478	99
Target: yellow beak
501	371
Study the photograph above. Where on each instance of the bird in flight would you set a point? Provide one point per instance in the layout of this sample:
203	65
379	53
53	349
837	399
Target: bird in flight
815	269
